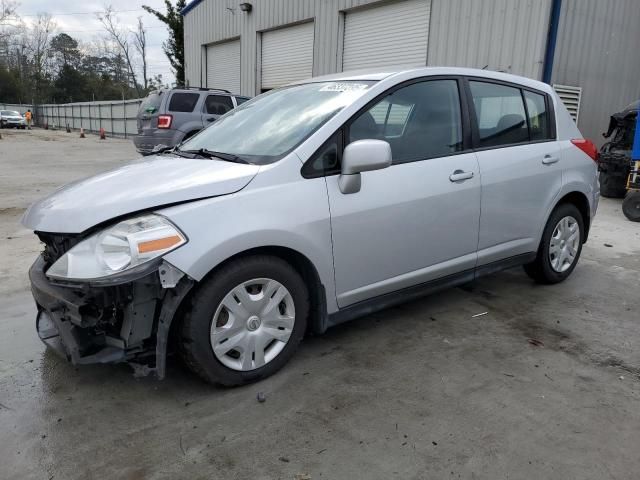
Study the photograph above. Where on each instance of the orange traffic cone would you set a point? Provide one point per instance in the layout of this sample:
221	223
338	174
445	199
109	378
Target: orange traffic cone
103	135
81	132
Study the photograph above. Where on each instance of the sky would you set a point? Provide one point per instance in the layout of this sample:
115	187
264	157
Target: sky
78	19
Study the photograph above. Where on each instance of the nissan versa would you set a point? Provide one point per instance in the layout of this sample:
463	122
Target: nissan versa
308	206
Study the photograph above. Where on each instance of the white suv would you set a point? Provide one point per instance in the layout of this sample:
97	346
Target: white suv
308	206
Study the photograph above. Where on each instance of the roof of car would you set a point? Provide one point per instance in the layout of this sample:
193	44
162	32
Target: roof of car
380	74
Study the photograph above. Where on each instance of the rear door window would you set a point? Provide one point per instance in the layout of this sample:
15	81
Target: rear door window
241	100
500	114
217	104
183	102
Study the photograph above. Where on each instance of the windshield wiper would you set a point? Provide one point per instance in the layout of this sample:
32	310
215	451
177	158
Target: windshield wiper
227	157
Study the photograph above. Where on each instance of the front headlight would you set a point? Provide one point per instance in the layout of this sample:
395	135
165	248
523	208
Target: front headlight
119	248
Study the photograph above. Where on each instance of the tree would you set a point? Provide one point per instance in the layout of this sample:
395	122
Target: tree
174	46
65	48
8	17
140	42
36	42
121	38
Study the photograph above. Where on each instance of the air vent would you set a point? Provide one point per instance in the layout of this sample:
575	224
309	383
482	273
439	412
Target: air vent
570	96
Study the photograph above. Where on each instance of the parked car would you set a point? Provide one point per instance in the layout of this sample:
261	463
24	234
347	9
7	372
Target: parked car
168	117
12	119
306	207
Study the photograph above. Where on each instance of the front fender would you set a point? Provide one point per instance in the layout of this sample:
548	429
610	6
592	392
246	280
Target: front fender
293	215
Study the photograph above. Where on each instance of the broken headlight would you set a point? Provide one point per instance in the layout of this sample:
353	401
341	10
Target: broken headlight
119	248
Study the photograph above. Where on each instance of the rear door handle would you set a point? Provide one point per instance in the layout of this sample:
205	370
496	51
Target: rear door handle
550	159
211	119
460	175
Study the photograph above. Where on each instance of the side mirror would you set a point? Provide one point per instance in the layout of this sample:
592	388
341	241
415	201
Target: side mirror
362	156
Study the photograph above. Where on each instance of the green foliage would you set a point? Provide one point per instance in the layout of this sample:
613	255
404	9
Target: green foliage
71	76
174	46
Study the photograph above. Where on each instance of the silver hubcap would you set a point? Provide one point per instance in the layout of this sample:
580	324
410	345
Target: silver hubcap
252	324
564	245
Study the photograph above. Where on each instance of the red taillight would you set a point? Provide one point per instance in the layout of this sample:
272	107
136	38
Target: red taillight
164	121
587	146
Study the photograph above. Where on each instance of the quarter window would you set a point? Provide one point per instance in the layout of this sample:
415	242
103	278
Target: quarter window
538	116
183	102
500	114
326	161
218	104
420	121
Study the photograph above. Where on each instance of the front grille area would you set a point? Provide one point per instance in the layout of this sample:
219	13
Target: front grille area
56	245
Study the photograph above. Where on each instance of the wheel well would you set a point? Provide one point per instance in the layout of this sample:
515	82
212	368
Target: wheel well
582	204
306	269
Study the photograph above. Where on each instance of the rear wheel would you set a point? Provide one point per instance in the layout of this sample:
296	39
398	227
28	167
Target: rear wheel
560	246
631	206
245	321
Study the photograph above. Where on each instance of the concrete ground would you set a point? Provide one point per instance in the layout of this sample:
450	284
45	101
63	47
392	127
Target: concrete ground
546	385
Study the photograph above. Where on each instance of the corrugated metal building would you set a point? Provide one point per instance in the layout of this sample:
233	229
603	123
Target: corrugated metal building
279	41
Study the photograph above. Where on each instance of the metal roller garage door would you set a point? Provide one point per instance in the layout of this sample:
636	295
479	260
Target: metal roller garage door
287	55
223	66
394	34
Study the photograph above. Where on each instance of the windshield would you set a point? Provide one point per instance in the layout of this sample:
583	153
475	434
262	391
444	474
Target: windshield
269	126
10	113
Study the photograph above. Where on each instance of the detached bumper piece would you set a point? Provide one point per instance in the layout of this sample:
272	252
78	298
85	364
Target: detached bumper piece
107	324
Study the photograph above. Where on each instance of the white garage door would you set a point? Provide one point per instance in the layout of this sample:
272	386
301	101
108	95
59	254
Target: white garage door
223	66
394	34
287	55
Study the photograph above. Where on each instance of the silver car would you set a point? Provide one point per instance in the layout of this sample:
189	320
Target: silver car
12	119
306	207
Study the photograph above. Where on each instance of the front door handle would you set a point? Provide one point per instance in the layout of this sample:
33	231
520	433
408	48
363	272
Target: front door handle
550	159
460	175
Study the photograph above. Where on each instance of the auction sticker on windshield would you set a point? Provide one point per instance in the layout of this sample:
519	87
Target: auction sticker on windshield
344	87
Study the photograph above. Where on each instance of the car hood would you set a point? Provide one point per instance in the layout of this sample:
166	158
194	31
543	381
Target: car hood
12	118
153	182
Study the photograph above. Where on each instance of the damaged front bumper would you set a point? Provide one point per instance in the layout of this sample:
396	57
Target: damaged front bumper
128	322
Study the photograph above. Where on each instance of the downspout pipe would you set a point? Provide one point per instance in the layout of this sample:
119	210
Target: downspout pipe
552	38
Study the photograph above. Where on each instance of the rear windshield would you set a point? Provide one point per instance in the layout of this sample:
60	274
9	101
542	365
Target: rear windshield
151	104
183	102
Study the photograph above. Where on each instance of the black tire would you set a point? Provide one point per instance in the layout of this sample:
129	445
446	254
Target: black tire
612	186
194	342
631	206
540	269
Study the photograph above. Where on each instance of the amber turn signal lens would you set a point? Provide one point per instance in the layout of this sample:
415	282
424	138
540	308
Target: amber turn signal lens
159	244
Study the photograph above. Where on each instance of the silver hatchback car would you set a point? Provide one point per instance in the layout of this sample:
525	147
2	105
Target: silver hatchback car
308	206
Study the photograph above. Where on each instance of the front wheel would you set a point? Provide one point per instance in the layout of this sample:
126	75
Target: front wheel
560	246
245	321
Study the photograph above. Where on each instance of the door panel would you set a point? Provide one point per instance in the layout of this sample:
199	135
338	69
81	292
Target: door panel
408	224
519	182
416	220
517	189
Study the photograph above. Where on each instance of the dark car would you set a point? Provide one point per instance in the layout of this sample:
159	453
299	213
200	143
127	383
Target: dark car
167	117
